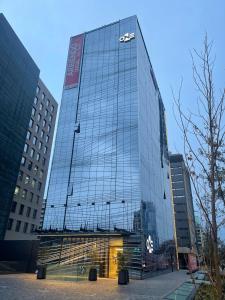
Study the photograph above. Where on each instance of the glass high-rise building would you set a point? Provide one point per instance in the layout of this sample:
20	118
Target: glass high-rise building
18	80
109	185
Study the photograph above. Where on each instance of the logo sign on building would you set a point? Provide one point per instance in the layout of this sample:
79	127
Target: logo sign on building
149	244
73	61
127	37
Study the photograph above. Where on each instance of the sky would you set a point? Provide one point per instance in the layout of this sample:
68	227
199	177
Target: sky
171	30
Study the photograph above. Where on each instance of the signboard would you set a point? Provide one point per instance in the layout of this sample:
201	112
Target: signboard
73	61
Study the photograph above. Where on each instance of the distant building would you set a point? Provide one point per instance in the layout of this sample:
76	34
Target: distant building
109	188
27	120
26	206
199	235
183	208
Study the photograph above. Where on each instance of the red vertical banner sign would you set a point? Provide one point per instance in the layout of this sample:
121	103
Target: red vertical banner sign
73	61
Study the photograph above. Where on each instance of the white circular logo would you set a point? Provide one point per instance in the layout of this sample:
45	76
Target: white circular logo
149	244
127	37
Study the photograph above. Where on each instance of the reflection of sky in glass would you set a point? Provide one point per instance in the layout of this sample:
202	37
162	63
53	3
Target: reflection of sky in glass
116	160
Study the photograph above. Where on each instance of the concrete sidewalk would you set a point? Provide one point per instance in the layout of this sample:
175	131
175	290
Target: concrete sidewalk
27	287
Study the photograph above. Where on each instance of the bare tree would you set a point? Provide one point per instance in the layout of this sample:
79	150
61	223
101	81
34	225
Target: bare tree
203	130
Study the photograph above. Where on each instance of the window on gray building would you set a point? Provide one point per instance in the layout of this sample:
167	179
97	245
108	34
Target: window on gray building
26	146
42	133
27	179
33	111
28	211
35	100
29	166
13	206
39	117
21	209
34	141
34	214
36	128
17	190
43	96
18	224
32	151
24	194
31	122
20	175
28	135
25	226
37	90
23	161
33	182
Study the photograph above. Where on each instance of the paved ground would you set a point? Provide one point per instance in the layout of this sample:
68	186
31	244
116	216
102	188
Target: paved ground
27	287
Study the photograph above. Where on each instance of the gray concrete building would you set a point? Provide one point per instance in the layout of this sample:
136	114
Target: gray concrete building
183	209
28	196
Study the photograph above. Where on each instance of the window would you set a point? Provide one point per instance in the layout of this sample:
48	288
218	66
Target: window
34	141
28	211
25	226
24	194
35	169
39	117
43	161
39	145
36	128
47	102
45	150
39	186
29	166
38	157
52	108
34	214
38	199
43	123
41	174
17	190
23	161
49	128
18	224
42	133
33	111
28	135
32	227
31	196
25	149
35	100
46	113
21	209
37	90
50	118
13	206
47	138
31	122
10	224
27	179
20	175
43	96
41	106
33	182
32	152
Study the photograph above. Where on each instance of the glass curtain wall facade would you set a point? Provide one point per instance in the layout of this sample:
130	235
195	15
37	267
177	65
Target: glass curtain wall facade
110	164
18	80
